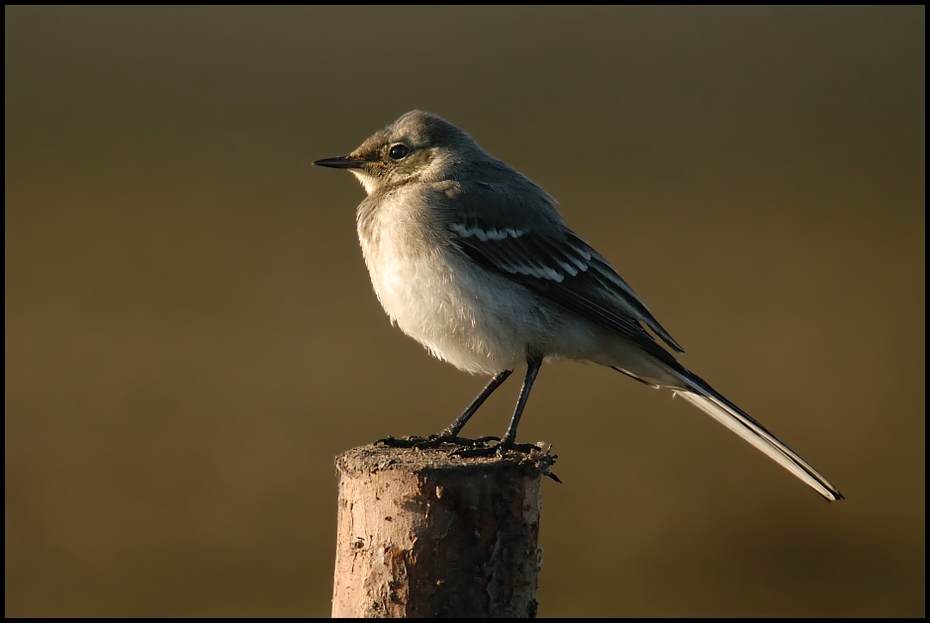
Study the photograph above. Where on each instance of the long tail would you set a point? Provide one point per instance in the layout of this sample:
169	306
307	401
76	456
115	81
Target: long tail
704	397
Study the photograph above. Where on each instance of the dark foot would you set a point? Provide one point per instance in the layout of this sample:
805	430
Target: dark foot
540	454
483	446
495	449
434	441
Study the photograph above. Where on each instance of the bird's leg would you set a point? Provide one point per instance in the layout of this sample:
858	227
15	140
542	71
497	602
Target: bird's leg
533	363
452	430
450	433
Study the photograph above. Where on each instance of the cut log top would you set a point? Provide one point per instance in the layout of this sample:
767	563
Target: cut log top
378	458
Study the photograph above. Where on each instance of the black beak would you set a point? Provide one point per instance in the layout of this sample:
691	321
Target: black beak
341	162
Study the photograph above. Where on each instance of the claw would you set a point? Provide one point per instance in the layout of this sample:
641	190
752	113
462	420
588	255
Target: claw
410	441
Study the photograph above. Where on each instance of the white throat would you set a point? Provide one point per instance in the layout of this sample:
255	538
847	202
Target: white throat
367	181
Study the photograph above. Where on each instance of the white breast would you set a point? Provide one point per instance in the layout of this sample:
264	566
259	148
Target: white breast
478	322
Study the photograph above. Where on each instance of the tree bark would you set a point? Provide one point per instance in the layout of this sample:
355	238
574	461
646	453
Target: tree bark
425	534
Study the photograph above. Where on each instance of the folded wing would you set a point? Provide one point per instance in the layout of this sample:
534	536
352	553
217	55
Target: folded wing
552	261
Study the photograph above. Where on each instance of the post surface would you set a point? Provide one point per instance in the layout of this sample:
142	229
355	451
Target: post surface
423	534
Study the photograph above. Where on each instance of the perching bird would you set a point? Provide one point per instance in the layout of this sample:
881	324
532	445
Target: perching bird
473	260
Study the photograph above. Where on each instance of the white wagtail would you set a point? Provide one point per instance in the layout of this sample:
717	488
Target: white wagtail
473	260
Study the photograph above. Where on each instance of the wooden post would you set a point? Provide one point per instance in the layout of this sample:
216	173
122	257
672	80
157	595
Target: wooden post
425	534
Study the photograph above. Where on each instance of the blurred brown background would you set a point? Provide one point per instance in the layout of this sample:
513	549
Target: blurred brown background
191	336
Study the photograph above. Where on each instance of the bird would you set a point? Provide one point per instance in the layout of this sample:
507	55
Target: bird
474	261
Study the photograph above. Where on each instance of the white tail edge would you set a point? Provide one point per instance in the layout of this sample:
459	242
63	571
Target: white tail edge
746	427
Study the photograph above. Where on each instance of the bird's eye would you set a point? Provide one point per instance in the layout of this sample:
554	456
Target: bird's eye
398	151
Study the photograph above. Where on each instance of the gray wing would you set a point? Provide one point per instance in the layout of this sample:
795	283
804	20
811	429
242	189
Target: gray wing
546	257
